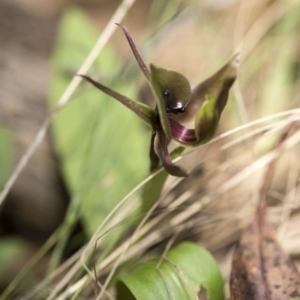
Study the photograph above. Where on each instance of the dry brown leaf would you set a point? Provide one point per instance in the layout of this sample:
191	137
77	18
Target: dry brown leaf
260	268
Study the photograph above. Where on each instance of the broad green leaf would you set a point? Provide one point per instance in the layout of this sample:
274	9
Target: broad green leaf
172	92
102	145
10	250
5	155
187	268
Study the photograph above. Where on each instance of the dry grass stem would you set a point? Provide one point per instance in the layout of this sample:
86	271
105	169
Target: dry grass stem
117	17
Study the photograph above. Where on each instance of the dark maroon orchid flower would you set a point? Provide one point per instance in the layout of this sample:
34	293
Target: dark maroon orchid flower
175	102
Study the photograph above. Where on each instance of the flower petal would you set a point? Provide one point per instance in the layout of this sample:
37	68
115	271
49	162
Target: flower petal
146	113
154	159
137	55
206	120
218	85
172	92
205	125
161	149
181	134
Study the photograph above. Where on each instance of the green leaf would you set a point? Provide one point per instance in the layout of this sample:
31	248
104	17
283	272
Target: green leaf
102	146
5	155
172	92
10	250
152	190
187	268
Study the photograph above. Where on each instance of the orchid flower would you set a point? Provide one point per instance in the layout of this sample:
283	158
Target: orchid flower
175	101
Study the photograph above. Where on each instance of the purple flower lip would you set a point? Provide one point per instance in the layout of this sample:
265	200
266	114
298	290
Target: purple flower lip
181	133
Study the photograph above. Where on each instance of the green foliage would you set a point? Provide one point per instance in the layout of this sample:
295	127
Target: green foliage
102	146
152	190
11	248
5	155
187	268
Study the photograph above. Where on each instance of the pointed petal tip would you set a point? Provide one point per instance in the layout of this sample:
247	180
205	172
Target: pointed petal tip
176	171
183	173
82	76
161	149
86	78
152	66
